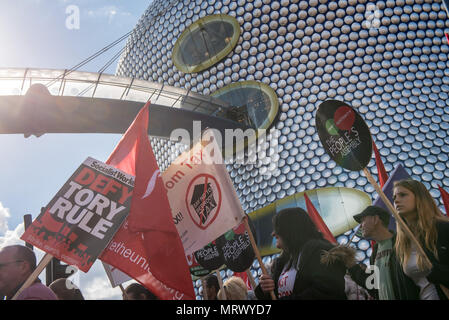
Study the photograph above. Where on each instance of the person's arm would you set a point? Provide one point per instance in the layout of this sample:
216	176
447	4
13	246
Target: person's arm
360	277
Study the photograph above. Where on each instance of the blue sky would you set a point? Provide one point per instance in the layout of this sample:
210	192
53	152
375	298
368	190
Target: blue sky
34	34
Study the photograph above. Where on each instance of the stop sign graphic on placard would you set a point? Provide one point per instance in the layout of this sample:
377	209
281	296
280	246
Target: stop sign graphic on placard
203	200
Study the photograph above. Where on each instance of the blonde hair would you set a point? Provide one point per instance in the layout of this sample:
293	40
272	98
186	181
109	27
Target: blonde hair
233	289
425	229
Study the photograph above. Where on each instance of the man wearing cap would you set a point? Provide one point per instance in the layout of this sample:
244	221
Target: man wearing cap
392	283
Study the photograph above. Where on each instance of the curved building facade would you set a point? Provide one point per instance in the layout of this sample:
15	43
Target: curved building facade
388	59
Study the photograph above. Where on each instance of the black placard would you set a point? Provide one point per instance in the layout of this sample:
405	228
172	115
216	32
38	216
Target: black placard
344	135
236	248
209	257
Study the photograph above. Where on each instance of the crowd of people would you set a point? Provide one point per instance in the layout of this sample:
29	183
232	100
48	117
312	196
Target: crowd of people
309	266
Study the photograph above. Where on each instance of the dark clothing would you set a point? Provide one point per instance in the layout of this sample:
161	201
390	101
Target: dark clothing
439	274
404	287
314	280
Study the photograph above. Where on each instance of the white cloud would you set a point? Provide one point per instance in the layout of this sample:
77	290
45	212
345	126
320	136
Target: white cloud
95	284
4	215
109	12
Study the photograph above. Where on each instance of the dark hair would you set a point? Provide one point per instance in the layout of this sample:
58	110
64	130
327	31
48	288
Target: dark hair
66	290
212	281
137	289
295	228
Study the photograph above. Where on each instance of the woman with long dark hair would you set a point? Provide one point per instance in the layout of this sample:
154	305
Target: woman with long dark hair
301	272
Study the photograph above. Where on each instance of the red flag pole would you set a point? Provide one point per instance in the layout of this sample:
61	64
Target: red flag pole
318	221
445	198
256	251
382	173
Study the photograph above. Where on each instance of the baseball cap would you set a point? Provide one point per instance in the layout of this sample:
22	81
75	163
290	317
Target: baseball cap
374	211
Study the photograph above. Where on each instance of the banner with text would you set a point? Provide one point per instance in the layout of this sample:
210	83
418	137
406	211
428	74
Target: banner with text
201	195
83	217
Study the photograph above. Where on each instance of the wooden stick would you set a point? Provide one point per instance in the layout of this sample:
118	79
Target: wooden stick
42	264
125	295
400	221
352	238
203	282
256	251
402	224
220	282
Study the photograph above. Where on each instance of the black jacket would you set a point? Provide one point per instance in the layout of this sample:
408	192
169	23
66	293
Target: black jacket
439	274
314	280
404	288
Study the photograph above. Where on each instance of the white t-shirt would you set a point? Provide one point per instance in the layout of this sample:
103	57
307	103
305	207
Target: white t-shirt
428	290
286	282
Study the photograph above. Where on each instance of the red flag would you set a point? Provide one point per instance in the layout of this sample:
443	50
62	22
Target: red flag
318	221
245	279
382	173
150	210
445	197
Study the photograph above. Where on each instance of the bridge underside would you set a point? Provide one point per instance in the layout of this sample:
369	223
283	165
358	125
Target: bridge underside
38	115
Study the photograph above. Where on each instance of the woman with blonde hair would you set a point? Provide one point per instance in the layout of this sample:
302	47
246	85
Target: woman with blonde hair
233	289
419	211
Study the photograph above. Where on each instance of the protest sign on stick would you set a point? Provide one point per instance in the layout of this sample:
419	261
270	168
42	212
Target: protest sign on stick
235	248
347	140
82	218
202	197
147	246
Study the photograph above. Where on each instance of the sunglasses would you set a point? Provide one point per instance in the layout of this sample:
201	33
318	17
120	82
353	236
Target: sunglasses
2	265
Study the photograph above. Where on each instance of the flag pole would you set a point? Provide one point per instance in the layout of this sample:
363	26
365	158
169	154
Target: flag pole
41	266
204	284
352	238
123	291
397	217
256	251
220	282
251	279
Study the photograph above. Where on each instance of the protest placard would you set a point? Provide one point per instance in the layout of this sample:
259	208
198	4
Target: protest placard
84	215
202	197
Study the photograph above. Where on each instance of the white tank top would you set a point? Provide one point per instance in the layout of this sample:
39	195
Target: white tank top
428	290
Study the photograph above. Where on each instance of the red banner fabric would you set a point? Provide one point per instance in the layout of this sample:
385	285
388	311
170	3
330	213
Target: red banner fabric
445	198
148	247
318	221
381	172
